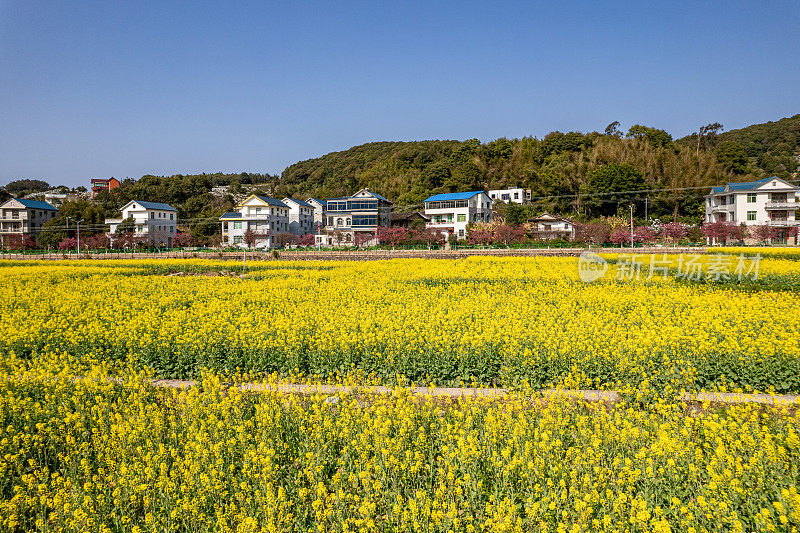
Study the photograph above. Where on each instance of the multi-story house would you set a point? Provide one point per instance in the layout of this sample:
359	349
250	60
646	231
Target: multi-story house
301	216
357	217
103	184
514	195
769	201
547	227
450	213
320	211
156	221
260	218
20	216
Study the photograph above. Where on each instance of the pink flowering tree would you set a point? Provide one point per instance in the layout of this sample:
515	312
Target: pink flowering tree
479	236
183	240
70	243
720	232
306	240
97	241
674	232
393	236
620	237
644	234
764	233
507	234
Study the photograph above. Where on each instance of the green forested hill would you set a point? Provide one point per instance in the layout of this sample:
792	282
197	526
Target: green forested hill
773	147
557	165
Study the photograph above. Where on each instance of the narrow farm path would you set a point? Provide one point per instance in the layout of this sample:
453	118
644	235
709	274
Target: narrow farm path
457	392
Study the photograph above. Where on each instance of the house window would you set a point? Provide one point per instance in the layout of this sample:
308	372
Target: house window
152	216
237	225
339	222
751	215
171	215
237	239
462	217
516	196
751	198
732	200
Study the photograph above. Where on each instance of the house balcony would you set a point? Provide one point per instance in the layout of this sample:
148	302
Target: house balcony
719	208
783	223
784	206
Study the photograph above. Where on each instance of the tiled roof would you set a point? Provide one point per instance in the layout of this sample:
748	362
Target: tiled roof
452	196
378	196
745	185
156	205
35	204
299	202
231	215
271	201
408	216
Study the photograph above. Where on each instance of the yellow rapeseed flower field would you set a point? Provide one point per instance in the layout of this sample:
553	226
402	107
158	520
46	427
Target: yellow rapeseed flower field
509	321
86	444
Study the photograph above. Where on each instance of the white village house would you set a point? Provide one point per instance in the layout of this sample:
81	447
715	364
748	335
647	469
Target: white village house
265	218
547	227
357	217
20	216
449	213
514	195
154	220
301	216
768	201
320	211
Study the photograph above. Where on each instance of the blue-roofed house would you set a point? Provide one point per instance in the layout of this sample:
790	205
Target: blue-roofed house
766	202
20	217
156	221
450	213
356	218
260	222
301	216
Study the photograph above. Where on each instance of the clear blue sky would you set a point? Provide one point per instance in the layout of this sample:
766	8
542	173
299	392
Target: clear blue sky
98	89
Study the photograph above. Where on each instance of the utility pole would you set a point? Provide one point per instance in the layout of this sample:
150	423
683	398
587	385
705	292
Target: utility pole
631	225
78	222
645	209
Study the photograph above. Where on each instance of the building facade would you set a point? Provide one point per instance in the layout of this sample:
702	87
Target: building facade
20	217
357	217
320	211
103	184
548	227
450	213
266	219
769	201
514	195
156	221
301	216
